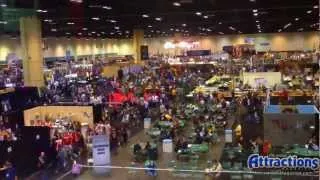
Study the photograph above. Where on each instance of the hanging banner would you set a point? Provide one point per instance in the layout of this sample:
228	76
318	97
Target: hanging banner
101	153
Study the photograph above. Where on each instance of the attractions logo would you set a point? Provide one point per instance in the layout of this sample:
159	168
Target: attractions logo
255	161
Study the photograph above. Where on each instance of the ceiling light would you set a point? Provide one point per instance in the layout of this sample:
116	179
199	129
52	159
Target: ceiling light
54	30
98	35
3	5
198	13
279	30
206	17
257	21
209	30
70	23
301	29
85	29
252	0
102	32
177	30
149	26
158	18
93	32
232	28
107	7
296	19
176	4
127	32
287	25
79	34
112	21
220	23
95	18
255	14
171	29
3	22
255	10
152	31
260	31
315	7
221	33
67	33
112	33
47	20
145	15
309	12
41	11
184	25
117	27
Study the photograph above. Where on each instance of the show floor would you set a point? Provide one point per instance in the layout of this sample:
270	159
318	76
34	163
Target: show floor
124	158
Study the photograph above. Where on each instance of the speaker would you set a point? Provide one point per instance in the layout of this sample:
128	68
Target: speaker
144	52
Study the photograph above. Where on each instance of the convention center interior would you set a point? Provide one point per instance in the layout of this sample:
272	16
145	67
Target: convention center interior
159	89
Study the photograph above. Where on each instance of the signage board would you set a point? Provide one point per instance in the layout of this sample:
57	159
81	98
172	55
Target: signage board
101	153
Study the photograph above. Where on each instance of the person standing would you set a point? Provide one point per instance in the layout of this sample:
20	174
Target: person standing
42	162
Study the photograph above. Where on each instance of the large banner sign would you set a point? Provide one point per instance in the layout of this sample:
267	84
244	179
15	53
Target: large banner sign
101	153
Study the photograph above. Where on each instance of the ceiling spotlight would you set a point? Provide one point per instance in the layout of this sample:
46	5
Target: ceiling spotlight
301	29
95	18
198	13
47	20
79	34
127	32
67	33
232	28
41	11
3	5
93	32
145	15
107	7
171	29
70	23
220	23
117	27
112	21
315	7
209	30
260	31
98	34
149	26
221	33
296	19
177	30
184	25
176	4
158	18
206	17
309	12
287	25
255	14
257	21
279	30
152	31
255	10
85	29
54	30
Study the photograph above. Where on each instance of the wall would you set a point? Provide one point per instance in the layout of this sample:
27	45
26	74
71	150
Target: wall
56	47
263	42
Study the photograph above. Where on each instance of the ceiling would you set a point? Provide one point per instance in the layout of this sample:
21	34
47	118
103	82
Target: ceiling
117	18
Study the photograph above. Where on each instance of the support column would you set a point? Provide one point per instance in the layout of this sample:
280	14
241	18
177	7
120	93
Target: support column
32	53
138	36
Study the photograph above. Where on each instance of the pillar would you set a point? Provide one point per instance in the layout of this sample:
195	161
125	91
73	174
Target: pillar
138	36
32	53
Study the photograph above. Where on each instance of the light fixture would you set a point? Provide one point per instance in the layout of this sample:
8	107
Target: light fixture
79	34
112	33
287	25
177	30
102	32
255	14
279	30
209	30
95	18
300	29
47	20
85	29
3	5
127	32
67	33
171	29
257	21
176	4
198	13
315	7
255	10
260	31
107	7
145	15
206	17
296	19
221	33
149	26
70	23
232	28
3	22
41	11
158	18
184	25
112	21
117	27
220	23
54	30
309	12
93	32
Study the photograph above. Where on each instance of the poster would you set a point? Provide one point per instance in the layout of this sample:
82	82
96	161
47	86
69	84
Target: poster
101	153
